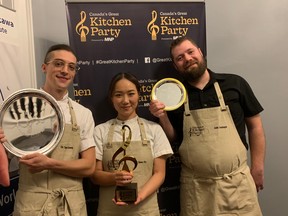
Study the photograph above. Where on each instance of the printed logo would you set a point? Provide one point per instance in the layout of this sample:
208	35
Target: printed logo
101	26
152	28
147	60
82	30
112	167
196	131
221	127
170	25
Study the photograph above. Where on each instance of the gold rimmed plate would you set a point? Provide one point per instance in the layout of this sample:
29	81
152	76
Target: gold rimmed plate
169	91
32	121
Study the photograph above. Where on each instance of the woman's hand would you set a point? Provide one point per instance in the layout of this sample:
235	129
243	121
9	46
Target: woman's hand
123	177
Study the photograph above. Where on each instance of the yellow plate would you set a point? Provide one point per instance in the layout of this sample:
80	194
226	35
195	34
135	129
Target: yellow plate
169	91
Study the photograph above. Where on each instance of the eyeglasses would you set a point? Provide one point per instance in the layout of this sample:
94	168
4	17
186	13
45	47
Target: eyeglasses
60	64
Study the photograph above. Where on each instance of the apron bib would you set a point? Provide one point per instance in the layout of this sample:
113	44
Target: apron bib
215	178
141	150
51	193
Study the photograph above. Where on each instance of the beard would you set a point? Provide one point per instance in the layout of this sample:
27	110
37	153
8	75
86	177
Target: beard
192	74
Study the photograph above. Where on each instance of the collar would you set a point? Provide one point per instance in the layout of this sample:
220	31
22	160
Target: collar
216	76
64	99
213	78
127	122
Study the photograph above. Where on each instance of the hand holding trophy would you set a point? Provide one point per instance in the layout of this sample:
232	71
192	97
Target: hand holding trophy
128	192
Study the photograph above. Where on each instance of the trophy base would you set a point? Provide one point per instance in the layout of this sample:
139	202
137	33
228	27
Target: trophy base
127	193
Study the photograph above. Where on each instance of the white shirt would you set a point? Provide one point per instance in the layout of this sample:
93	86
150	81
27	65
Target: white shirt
154	133
84	119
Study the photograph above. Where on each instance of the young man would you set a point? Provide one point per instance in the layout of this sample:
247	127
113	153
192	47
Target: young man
215	178
52	184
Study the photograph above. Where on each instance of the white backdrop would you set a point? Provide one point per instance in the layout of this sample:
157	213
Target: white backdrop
243	37
250	38
16	65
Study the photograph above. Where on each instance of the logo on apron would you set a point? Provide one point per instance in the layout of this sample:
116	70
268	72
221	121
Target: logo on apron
196	131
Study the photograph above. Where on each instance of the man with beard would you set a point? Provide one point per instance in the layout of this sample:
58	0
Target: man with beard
211	127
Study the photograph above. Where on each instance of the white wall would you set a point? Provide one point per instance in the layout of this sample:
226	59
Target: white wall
249	38
243	37
17	62
26	53
50	27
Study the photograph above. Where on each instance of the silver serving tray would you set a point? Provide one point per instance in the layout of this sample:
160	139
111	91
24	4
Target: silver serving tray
32	121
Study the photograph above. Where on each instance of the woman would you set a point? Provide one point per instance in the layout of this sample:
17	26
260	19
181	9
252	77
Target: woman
148	145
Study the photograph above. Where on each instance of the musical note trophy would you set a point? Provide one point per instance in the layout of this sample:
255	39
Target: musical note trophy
127	193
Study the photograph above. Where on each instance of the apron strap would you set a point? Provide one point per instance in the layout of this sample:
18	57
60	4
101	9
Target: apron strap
186	107
220	99
73	116
228	176
220	96
56	195
110	132
144	139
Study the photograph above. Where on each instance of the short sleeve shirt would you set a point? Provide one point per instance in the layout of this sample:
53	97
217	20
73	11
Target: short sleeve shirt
154	133
84	119
237	94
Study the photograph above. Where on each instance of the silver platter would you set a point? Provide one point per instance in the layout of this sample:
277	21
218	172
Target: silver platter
32	121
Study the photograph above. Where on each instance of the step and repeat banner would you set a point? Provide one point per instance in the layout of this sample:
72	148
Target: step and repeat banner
133	37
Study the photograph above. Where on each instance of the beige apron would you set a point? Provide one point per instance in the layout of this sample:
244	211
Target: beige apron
215	178
50	193
141	150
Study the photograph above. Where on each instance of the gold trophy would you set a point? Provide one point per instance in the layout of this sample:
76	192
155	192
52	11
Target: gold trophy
127	193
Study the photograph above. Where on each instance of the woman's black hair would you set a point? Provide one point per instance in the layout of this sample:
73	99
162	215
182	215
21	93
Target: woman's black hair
119	76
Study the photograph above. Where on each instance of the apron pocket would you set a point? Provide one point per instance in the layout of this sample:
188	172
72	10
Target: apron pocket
197	197
236	194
